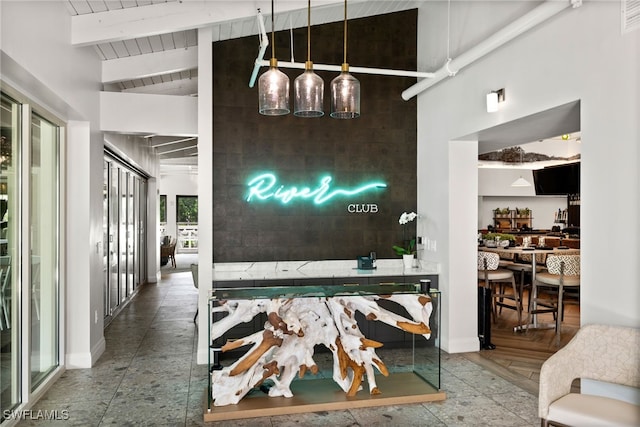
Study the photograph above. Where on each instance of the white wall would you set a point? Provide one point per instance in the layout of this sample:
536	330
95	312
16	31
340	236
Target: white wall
543	209
578	55
65	81
495	190
38	60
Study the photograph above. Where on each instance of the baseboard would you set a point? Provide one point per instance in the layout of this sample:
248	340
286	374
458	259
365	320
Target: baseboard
84	360
463	345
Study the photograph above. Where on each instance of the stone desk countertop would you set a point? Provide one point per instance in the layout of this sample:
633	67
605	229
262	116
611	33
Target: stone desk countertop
227	271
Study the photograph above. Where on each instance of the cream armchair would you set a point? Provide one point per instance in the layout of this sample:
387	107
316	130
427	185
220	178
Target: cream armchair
599	352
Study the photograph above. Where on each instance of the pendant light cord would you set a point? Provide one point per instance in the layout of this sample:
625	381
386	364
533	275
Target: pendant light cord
309	31
345	31
273	37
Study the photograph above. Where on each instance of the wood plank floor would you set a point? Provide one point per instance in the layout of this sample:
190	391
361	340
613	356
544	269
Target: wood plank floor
521	354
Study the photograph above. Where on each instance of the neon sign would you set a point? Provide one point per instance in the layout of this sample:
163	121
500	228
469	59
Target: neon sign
265	187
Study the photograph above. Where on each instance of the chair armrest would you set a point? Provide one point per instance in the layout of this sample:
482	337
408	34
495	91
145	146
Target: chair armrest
556	376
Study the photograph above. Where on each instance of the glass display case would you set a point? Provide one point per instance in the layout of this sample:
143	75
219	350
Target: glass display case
331	337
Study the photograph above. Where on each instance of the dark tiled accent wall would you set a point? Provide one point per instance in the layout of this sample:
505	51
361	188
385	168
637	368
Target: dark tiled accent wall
379	145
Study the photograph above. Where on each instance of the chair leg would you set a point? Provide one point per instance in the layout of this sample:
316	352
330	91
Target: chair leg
517	299
558	314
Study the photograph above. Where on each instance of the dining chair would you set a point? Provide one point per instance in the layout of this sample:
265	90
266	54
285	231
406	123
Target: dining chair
194	275
172	252
561	279
522	265
494	277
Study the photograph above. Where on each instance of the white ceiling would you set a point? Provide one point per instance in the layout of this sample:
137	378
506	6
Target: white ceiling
134	31
537	133
137	29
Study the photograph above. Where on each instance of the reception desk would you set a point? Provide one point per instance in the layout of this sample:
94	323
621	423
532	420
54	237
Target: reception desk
323	271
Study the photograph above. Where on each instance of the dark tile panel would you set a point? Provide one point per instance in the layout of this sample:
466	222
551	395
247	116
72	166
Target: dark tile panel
381	144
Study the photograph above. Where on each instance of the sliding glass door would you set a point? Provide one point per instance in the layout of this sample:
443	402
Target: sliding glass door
43	235
30	318
124	213
10	345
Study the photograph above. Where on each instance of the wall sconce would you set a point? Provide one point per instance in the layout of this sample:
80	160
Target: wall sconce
493	98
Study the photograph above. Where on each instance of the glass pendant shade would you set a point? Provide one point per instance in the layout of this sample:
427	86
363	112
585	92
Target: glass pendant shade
273	92
309	94
345	96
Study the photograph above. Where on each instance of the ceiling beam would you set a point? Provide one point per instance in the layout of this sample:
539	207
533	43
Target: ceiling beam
161	18
133	22
184	152
136	113
149	65
173	148
159	141
183	87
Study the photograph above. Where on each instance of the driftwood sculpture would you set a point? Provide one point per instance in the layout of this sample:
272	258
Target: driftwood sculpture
285	347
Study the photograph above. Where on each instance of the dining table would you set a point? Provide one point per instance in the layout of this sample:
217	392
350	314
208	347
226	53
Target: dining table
533	250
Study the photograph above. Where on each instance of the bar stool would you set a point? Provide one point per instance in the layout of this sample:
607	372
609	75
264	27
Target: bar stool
562	278
495	278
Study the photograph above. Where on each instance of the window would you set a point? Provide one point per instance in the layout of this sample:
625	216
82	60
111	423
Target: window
187	209
163	208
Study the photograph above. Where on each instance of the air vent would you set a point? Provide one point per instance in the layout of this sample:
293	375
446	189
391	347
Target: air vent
630	15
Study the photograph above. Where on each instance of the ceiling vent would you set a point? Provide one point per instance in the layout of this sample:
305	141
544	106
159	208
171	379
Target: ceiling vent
630	15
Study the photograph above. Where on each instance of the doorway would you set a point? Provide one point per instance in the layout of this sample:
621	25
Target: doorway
547	212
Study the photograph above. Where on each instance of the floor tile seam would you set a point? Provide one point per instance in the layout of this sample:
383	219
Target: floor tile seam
113	395
148	327
488	364
425	405
191	378
499	403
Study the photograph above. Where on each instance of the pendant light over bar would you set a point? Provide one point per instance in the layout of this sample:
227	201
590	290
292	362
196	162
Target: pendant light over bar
345	89
273	85
308	88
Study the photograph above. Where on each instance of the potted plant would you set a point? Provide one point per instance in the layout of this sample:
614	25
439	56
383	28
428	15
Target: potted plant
502	236
502	212
408	248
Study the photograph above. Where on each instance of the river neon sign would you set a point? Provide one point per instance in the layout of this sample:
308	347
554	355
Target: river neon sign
266	187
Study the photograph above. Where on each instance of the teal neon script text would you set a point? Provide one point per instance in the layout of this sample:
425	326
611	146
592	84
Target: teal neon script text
265	187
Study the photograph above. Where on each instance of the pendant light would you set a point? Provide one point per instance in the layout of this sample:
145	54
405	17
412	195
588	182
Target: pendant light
345	89
273	84
308	87
521	182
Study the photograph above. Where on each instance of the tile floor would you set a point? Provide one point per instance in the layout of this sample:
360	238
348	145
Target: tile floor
148	376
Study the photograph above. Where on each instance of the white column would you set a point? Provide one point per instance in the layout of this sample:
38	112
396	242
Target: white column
460	308
205	185
78	290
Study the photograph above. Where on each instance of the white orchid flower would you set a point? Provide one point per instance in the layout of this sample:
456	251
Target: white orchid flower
407	217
